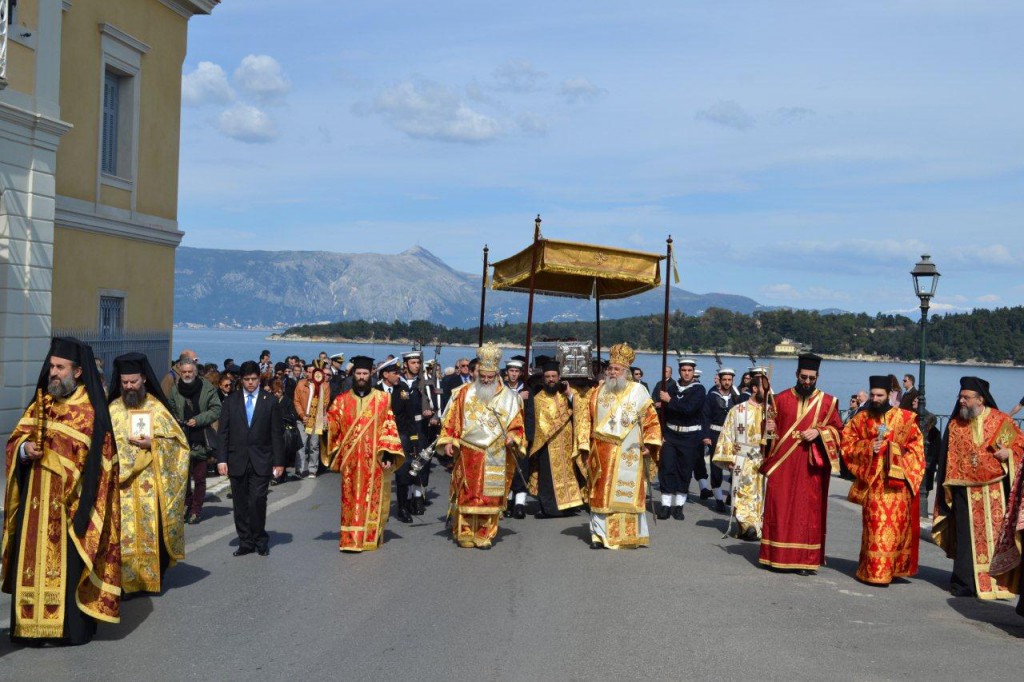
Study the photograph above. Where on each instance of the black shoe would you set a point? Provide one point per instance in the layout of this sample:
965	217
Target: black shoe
749	535
720	506
961	590
677	513
418	506
241	552
664	512
507	513
728	499
706	493
596	544
193	519
403	515
263	551
805	572
519	512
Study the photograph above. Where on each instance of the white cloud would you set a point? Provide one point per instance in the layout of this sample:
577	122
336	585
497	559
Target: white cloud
532	123
727	113
246	123
208	84
433	111
789	293
262	77
518	75
988	298
580	90
995	255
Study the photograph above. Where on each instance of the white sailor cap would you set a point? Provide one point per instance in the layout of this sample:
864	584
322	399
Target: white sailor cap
412	355
759	370
697	373
687	361
514	364
390	364
338	357
726	370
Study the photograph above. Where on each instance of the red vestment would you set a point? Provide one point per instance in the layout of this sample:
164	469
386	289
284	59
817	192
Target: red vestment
360	432
886	486
970	468
796	498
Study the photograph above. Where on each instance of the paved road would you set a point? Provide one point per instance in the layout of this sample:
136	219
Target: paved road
540	604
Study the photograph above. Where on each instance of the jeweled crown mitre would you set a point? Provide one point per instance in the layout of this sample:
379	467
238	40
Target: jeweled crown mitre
621	354
488	358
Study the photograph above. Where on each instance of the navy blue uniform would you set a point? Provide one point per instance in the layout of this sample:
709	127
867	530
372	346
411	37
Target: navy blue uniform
716	407
682	448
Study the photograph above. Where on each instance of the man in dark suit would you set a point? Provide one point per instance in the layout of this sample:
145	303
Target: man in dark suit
461	376
251	450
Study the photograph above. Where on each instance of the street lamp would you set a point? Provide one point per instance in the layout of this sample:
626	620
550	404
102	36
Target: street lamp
926	280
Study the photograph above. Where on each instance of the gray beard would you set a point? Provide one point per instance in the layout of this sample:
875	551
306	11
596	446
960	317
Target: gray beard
133	399
969	413
617	385
485	392
62	388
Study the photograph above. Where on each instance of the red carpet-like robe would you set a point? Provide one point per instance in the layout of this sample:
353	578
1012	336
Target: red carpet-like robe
796	498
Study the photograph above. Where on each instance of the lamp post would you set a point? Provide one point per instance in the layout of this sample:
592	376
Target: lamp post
926	279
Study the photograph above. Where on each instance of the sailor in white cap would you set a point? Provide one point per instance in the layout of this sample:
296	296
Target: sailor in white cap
716	406
682	448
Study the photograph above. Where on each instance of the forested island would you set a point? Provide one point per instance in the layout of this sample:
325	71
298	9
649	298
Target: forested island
988	336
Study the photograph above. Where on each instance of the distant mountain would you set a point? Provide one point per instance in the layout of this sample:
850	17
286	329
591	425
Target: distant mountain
215	287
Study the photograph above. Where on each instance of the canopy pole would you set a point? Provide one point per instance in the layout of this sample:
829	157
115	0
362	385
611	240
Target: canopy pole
483	298
668	293
533	275
597	303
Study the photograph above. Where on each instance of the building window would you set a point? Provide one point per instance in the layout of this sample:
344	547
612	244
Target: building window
111	103
111	315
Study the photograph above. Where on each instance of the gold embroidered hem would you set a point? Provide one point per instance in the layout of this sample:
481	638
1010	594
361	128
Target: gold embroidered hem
476	530
620	530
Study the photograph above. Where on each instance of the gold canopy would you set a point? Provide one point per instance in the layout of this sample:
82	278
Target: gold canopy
579	270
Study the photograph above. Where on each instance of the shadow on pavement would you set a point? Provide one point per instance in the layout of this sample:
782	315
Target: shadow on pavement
327	535
214	511
995	614
183	575
747	550
582	532
719	524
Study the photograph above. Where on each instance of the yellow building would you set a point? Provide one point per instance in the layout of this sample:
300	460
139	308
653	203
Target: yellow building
90	103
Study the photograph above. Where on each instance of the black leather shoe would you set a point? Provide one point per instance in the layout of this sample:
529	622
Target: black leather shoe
519	512
596	545
507	513
677	513
418	506
805	572
720	506
705	494
241	552
664	512
728	499
750	535
263	551
404	516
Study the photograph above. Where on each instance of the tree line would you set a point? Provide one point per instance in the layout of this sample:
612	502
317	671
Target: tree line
983	335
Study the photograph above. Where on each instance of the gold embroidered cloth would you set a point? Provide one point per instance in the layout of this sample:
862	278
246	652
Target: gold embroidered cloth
152	489
739	448
484	465
37	584
886	486
971	464
360	432
556	428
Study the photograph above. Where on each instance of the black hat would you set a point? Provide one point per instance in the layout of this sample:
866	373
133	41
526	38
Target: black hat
980	386
808	361
362	362
541	360
879	381
551	366
81	354
136	363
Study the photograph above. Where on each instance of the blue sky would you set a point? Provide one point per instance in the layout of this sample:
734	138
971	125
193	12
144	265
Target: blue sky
799	153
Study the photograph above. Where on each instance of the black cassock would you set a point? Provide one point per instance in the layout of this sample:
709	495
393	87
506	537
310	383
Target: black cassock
541	463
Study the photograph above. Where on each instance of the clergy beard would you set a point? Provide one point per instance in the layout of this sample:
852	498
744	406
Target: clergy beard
551	390
805	391
61	388
616	385
133	399
360	387
485	392
877	409
969	413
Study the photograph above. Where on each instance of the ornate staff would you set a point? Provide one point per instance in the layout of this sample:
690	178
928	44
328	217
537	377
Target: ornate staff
40	427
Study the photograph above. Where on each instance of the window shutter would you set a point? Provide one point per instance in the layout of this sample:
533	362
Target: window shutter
111	90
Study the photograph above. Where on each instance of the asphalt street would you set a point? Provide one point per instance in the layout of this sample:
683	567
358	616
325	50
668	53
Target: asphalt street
540	605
